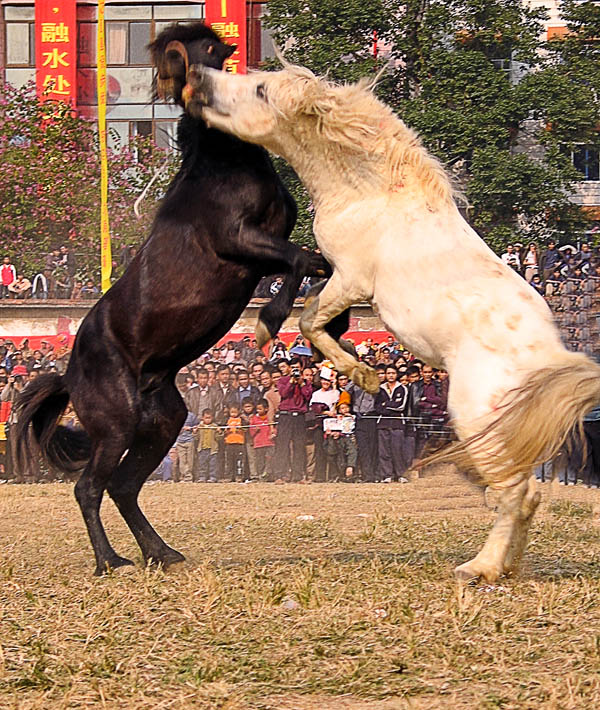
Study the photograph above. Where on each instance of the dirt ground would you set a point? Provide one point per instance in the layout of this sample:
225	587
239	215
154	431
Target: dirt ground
322	597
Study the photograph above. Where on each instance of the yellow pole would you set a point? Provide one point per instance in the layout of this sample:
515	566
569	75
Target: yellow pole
105	250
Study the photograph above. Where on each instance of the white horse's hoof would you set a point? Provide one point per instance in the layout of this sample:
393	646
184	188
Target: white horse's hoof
366	378
472	571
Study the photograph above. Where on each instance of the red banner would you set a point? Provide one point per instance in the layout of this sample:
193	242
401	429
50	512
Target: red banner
56	50
228	20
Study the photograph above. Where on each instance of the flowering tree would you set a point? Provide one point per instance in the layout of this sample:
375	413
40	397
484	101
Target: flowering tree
50	183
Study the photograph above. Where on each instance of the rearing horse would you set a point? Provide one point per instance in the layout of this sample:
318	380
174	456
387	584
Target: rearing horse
386	219
223	225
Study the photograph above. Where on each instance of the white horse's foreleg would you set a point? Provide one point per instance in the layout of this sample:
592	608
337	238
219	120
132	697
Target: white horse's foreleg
506	542
321	307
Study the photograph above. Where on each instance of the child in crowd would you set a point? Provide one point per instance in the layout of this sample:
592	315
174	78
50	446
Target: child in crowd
234	444
262	433
207	435
340	442
247	414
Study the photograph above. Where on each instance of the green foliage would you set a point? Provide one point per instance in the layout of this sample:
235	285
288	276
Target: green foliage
475	80
50	184
333	37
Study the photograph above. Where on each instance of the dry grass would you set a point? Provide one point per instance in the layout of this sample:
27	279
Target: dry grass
353	610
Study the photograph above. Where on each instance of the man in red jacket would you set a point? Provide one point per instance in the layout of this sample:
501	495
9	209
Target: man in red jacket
295	394
8	275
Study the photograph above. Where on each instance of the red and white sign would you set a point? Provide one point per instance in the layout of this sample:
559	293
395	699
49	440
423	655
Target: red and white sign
228	18
56	50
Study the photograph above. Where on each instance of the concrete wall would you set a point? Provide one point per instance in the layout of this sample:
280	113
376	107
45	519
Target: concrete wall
38	318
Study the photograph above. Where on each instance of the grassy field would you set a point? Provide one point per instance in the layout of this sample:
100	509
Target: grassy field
354	609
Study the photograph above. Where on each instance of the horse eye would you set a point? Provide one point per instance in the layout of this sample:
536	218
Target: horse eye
210	49
260	92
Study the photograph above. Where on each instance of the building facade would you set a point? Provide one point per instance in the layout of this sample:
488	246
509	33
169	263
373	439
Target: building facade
585	158
129	28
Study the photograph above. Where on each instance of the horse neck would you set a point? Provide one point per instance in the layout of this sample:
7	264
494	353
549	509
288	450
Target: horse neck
201	146
328	173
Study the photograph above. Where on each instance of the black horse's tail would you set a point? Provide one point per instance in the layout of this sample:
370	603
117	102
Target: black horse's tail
38	410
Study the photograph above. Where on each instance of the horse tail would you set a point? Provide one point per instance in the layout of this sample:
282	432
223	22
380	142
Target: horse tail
38	410
534	422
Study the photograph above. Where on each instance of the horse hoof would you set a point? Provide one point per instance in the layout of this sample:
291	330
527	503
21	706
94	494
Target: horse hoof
466	574
262	334
112	565
469	573
366	378
170	560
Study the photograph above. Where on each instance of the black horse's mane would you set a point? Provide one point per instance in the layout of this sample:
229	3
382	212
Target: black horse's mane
183	33
190	32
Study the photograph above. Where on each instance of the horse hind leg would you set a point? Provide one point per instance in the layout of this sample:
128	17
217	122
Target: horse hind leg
89	490
163	415
506	542
322	307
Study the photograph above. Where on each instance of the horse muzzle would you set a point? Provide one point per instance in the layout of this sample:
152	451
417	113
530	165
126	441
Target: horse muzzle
197	93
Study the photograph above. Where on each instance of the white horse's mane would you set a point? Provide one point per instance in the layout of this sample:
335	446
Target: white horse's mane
351	117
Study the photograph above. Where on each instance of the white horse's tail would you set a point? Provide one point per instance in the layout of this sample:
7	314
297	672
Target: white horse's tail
534	421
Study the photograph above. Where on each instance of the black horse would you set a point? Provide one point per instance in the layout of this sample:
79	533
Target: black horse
223	225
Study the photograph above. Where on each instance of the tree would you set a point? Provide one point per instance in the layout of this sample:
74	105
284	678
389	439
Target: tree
334	38
469	76
50	183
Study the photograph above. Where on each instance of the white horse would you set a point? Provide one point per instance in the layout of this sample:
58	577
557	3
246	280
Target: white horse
386	220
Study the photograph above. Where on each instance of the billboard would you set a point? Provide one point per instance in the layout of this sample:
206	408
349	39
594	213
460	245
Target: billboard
56	50
228	19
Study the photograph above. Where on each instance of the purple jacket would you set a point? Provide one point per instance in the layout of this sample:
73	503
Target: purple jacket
294	397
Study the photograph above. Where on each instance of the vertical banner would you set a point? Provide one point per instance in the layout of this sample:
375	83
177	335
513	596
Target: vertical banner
228	19
56	50
105	250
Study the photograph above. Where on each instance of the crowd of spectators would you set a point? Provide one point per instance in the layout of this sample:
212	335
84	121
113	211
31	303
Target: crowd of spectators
285	418
279	418
569	279
56	280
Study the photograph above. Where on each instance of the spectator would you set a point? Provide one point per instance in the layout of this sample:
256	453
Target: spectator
67	260
290	453
88	291
8	274
250	461
42	285
390	403
550	260
20	288
234	445
63	283
244	389
363	406
511	258
262	433
185	448
270	393
530	262
327	395
77	288
340	443
430	405
208	435
537	284
554	282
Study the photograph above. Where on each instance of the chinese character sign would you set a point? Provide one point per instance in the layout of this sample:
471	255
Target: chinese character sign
228	20
56	49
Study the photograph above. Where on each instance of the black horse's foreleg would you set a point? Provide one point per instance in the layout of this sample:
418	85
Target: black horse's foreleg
278	257
163	414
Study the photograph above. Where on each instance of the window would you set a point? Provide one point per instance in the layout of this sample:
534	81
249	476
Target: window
142	128
586	161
